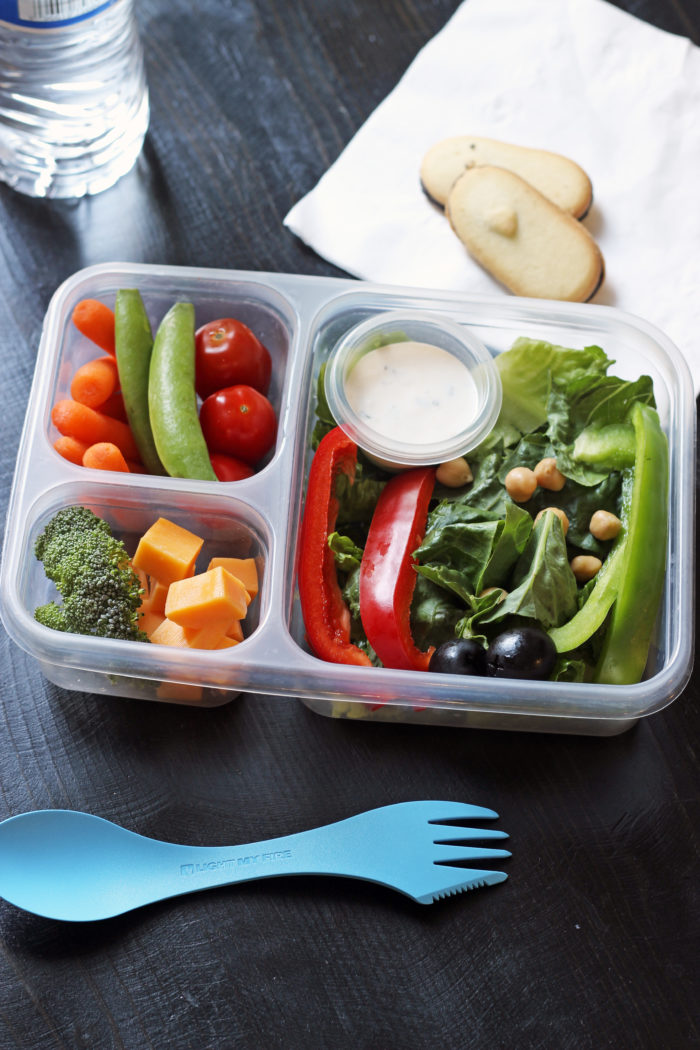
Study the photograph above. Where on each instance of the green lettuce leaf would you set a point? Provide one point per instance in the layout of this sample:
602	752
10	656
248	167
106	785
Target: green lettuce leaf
346	553
543	586
529	370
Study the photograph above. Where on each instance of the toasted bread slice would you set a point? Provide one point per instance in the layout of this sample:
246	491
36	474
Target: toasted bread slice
527	243
555	176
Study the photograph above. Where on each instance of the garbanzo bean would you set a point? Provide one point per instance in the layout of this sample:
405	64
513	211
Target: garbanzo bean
604	525
559	513
520	484
585	567
549	476
491	590
454	473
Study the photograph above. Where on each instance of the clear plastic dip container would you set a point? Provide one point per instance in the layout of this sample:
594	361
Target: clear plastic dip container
412	390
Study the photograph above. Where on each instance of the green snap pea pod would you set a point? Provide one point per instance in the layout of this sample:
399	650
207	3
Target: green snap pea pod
133	345
632	577
172	401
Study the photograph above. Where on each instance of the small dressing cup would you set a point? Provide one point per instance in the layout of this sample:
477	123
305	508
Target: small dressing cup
462	403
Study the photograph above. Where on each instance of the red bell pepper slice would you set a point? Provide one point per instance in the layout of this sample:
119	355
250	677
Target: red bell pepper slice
387	576
326	616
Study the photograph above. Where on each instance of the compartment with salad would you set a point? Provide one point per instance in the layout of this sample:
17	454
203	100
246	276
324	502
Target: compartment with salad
548	563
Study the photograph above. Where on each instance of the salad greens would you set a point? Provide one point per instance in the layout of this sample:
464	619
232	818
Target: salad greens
485	564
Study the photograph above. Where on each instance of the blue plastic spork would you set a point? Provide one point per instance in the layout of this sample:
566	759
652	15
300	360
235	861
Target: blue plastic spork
64	864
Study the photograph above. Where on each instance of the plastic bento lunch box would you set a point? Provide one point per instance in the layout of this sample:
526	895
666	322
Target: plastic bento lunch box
300	320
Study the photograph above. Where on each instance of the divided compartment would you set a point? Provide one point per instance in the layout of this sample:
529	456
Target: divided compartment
141	670
264	310
583	708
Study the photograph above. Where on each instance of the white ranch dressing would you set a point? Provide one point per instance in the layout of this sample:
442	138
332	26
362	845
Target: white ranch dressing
415	393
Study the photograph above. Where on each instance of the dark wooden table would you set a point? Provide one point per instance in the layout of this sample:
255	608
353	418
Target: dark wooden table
593	940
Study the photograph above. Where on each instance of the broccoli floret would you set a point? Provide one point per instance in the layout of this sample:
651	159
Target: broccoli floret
51	615
93	574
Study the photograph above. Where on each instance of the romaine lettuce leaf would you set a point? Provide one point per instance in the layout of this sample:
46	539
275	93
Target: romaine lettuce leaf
531	368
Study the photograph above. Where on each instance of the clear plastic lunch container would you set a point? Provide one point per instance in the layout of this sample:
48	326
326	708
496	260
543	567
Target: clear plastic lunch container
300	320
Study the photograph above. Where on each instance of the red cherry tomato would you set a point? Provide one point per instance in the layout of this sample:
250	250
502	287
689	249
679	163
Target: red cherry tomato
239	421
228	468
228	354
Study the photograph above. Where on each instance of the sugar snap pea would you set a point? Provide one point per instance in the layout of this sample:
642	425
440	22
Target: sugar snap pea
133	345
172	400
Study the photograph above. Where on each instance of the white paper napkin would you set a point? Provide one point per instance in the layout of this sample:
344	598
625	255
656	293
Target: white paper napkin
578	77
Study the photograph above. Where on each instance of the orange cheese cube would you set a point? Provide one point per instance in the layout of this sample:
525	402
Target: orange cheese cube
150	621
244	569
211	597
179	691
227	643
157	596
169	633
167	551
235	631
205	637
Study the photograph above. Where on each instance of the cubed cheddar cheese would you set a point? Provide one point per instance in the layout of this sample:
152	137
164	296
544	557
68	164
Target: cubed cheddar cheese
150	621
244	569
227	642
235	631
205	637
181	692
167	552
157	596
169	633
210	597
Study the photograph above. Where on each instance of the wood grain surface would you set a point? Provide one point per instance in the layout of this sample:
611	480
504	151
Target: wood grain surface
593	940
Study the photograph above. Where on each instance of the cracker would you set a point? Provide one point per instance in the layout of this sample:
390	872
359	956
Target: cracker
521	238
555	176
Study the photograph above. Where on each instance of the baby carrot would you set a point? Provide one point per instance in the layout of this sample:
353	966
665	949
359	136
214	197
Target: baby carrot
71	449
96	321
87	424
114	406
95	381
103	455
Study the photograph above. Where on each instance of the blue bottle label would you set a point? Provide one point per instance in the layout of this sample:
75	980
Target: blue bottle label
49	14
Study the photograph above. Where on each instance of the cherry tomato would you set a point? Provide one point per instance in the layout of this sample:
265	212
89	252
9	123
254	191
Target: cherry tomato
239	421
227	353
228	468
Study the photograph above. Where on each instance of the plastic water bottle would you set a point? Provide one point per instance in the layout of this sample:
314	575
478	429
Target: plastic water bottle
73	95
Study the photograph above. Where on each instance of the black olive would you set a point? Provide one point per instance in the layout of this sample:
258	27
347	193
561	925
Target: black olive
521	652
459	656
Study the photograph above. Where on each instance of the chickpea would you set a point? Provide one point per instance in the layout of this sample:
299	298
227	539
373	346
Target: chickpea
454	473
492	590
604	525
559	513
548	476
585	567
520	484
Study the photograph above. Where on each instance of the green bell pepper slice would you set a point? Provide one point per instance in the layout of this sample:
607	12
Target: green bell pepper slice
631	580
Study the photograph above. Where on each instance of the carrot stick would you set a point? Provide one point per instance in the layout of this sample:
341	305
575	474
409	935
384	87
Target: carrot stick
96	321
105	456
71	449
95	381
87	424
114	406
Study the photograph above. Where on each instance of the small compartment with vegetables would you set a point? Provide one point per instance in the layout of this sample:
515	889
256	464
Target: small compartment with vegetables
171	383
541	556
161	571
